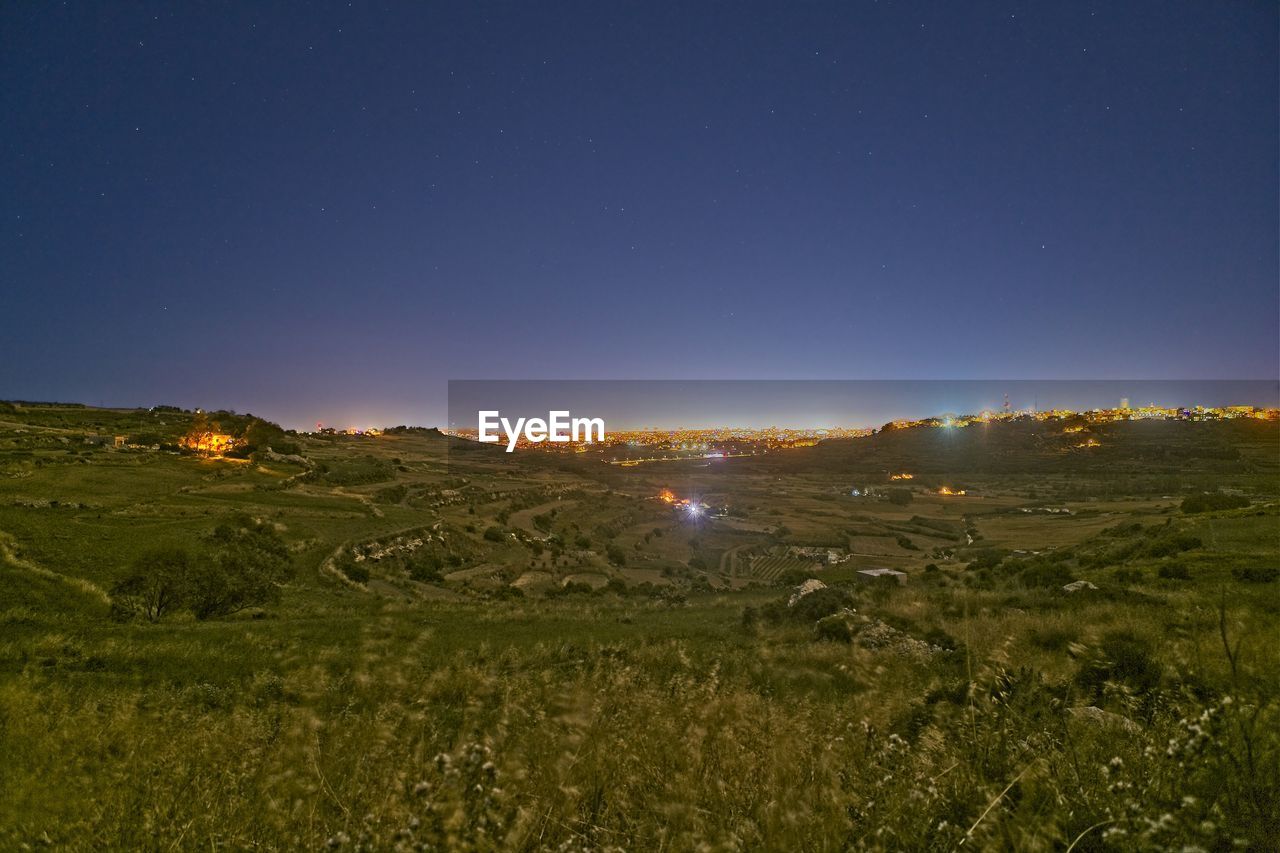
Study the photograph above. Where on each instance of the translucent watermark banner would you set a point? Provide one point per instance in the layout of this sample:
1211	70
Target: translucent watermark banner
629	423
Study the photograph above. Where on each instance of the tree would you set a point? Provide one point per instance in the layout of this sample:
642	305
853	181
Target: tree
159	583
260	434
899	497
247	564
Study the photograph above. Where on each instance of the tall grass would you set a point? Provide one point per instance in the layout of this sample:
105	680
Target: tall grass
633	726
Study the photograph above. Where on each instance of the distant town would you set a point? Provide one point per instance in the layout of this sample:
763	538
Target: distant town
728	442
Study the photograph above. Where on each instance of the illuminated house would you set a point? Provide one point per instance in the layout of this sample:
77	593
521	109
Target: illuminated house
210	443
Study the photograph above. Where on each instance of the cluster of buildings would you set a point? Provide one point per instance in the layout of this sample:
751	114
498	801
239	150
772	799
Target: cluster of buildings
321	429
654	444
721	442
1123	413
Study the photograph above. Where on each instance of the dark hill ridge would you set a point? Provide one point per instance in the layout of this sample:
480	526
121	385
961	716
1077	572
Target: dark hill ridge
1029	447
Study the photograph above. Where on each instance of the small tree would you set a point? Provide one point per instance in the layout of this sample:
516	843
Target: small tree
159	582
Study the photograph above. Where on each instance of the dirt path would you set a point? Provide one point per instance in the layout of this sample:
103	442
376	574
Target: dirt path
9	556
726	559
524	518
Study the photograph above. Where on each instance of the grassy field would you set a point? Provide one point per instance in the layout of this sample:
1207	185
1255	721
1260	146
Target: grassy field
481	653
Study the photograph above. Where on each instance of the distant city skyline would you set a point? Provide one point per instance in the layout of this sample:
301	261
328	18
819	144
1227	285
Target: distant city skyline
813	404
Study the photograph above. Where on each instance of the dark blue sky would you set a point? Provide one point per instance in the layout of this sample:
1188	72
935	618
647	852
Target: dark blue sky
324	211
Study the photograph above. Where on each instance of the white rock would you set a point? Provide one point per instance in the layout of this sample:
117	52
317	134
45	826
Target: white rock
811	585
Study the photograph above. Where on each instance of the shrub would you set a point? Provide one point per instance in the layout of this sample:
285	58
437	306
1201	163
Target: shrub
833	628
424	568
1052	638
986	558
816	605
1047	574
247	564
354	571
1174	571
391	494
1124	657
1210	501
1256	574
1168	544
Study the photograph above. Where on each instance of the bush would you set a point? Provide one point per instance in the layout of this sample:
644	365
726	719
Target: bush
391	494
899	497
1174	571
1256	574
1052	638
1046	574
1124	657
570	588
494	533
424	568
1168	544
1210	501
820	603
833	628
247	564
354	571
986	558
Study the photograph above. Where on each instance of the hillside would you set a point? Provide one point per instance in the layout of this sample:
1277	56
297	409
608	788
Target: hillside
410	640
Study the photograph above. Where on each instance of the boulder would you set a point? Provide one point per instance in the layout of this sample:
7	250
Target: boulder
1093	715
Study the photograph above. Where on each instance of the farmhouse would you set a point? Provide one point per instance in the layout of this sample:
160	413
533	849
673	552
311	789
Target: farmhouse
880	575
210	443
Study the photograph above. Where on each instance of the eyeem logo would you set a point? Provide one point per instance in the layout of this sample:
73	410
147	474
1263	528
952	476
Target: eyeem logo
558	427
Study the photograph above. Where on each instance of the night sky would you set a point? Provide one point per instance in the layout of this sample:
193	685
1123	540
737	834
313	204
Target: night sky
322	212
